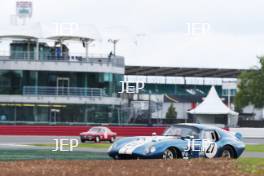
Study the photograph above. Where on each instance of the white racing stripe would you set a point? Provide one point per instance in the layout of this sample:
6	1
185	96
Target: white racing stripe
131	146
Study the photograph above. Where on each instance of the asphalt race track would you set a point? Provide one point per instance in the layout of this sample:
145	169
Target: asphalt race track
254	140
10	139
17	144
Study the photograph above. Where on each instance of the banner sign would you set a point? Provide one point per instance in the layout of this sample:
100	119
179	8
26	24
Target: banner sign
24	9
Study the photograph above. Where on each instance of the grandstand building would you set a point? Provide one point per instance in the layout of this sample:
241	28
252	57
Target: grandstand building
163	88
43	83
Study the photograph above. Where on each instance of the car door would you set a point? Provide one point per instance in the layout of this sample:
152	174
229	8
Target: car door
194	145
105	134
210	141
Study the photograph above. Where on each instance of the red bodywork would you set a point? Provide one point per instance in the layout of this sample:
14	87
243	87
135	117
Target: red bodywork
104	134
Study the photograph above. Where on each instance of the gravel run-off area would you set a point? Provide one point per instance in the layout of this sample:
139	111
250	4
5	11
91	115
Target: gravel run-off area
195	167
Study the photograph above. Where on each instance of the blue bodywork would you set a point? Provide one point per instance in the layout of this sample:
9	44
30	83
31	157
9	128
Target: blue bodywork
153	147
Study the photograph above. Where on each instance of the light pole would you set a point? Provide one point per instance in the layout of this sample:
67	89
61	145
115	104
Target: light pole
86	43
114	42
149	113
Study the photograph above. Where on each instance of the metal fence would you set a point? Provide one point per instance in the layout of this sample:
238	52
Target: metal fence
64	91
64	57
251	123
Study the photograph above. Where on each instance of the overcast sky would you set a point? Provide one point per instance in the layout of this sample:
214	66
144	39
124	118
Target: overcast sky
156	33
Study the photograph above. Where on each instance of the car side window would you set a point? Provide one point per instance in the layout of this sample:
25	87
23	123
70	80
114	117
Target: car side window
210	135
206	135
217	137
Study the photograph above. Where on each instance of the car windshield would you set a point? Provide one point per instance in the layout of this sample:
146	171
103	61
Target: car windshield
181	131
95	130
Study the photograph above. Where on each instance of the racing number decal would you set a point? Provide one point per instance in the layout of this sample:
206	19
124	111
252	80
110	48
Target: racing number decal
210	150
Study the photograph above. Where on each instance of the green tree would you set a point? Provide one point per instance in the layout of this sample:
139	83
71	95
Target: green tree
251	87
171	113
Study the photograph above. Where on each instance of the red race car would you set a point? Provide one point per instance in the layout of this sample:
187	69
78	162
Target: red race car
98	134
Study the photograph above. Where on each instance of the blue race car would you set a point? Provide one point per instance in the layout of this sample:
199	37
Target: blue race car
180	141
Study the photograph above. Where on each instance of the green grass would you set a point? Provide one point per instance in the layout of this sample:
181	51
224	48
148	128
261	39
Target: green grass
255	148
12	155
251	165
82	145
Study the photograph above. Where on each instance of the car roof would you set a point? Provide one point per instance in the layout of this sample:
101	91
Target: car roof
199	126
103	127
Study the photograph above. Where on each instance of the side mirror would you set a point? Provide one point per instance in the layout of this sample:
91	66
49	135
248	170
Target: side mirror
191	137
188	137
154	134
238	136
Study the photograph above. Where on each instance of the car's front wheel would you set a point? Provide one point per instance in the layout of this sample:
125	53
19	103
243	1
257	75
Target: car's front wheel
97	139
82	140
228	152
112	139
169	154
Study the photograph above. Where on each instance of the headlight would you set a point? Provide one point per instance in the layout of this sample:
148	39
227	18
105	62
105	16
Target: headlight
112	147
150	149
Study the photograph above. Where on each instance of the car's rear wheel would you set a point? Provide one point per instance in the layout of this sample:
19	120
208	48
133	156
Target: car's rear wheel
97	139
112	139
228	152
169	154
82	140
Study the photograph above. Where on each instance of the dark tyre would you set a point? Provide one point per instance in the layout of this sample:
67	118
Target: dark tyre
97	139
170	154
228	152
112	140
82	141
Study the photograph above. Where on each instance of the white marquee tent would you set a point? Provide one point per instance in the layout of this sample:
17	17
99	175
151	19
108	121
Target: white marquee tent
213	111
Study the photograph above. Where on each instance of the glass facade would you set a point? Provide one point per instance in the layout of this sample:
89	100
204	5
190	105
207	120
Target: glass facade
54	83
13	82
76	83
50	113
27	50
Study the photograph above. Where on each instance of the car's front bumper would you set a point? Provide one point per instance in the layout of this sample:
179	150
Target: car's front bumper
117	155
87	138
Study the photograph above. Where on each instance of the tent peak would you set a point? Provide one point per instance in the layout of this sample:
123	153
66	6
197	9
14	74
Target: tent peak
212	104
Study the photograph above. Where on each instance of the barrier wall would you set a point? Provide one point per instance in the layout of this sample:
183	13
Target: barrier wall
250	132
120	130
75	130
